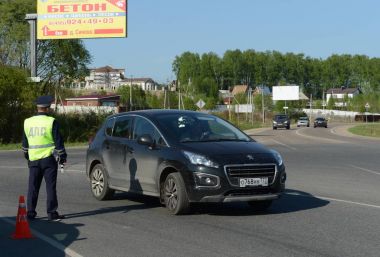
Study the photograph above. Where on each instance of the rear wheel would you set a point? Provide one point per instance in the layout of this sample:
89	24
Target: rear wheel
260	206
288	127
175	196
99	183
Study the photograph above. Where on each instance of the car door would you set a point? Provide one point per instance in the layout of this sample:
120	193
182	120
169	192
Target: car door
117	149
145	160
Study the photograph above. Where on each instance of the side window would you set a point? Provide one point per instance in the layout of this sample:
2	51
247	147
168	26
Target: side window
123	127
143	126
109	126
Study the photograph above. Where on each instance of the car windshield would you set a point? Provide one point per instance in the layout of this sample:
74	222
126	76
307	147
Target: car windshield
320	119
189	127
281	117
303	118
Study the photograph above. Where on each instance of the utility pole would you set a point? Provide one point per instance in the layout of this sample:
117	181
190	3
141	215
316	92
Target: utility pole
311	106
32	20
262	102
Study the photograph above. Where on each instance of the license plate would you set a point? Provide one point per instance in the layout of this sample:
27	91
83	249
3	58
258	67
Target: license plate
253	182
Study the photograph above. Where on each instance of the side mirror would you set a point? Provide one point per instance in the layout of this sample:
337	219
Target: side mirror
145	139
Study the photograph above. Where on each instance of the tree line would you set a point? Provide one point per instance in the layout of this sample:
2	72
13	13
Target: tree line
207	73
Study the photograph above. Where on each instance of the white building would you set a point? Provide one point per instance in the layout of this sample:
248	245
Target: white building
105	78
146	84
108	78
338	95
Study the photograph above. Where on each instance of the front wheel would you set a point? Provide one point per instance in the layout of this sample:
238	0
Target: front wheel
175	196
260	206
99	183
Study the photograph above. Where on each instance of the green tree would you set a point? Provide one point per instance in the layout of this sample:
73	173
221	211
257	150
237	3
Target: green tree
138	97
16	103
14	32
58	61
331	103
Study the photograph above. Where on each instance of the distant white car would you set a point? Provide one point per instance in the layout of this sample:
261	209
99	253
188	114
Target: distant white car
303	121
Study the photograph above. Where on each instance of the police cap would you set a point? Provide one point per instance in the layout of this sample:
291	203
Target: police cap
44	101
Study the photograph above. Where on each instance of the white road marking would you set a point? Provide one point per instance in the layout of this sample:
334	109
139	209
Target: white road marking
319	138
363	169
48	240
337	200
288	146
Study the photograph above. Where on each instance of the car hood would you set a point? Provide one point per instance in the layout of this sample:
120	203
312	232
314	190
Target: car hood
232	152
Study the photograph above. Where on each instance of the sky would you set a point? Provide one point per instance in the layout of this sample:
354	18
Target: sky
159	30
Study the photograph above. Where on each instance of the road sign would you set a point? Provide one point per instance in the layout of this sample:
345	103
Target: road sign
200	104
62	19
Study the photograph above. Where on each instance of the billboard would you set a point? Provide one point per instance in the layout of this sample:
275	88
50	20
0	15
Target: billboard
286	93
67	19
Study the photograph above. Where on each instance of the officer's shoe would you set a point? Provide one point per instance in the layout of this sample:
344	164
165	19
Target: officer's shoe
31	215
55	217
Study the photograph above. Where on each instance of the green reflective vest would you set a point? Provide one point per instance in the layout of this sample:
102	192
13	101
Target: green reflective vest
38	131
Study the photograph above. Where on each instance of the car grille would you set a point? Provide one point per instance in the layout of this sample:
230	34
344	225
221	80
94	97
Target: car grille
235	172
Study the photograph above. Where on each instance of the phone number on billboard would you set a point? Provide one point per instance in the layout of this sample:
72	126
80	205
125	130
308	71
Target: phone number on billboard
82	21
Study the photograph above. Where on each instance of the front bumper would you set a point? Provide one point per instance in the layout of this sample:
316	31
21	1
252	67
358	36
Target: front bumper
227	192
228	199
281	125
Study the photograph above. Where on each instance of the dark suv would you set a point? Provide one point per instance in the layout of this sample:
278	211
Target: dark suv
182	157
281	121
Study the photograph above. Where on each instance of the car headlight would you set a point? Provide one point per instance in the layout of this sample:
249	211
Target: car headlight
198	159
274	122
278	157
286	121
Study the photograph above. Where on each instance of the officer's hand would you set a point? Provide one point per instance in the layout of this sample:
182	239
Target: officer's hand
62	161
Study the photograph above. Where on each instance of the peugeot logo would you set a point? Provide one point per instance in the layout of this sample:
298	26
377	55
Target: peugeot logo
250	157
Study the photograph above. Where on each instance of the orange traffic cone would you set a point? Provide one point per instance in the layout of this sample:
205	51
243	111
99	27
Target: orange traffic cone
22	226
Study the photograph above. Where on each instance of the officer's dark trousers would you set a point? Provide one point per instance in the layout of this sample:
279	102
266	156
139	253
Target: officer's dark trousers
45	168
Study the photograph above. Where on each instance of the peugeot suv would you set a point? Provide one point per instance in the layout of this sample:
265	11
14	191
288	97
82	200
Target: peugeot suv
182	157
281	121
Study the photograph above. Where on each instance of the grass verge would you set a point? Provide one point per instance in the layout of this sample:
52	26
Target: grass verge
369	130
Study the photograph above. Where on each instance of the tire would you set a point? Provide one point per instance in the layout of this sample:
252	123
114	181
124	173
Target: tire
326	126
274	128
260	206
99	183
175	196
288	127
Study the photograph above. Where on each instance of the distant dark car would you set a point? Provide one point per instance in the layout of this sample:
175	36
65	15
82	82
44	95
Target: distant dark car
281	121
320	122
182	157
303	121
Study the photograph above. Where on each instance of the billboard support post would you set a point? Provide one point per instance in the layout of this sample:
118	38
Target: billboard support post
32	20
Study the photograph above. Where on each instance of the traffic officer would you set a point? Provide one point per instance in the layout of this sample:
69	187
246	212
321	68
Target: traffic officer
41	142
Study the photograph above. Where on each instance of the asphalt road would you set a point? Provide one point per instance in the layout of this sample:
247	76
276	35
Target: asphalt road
331	208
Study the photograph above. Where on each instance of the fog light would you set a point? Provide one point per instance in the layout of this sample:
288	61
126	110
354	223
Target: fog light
206	180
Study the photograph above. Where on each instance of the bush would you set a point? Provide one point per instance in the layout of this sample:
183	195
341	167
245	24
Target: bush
79	127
